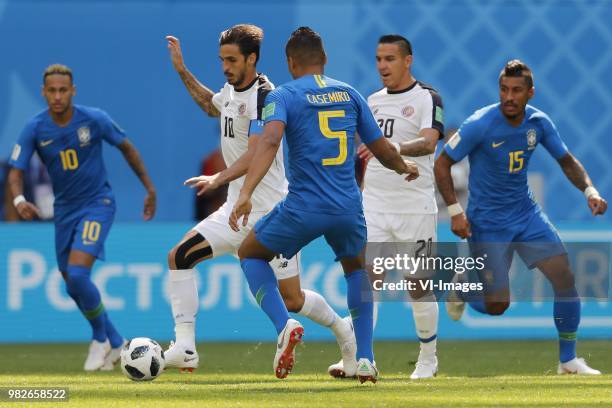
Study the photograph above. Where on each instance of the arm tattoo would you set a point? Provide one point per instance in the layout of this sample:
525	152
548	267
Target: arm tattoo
416	147
575	172
200	94
423	145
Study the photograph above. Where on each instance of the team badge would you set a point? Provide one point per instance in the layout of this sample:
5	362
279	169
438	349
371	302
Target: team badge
407	111
242	108
84	135
531	139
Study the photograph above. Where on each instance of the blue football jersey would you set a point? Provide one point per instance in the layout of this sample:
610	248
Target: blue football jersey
322	116
499	155
72	154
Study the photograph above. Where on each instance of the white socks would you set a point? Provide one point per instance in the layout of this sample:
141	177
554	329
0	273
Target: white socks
184	299
425	313
318	310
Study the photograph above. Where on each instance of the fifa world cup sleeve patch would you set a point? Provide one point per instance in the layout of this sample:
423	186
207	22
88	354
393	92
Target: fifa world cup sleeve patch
268	110
439	114
454	141
16	152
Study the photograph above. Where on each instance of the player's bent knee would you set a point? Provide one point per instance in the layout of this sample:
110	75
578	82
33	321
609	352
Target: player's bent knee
566	277
171	257
252	248
189	253
352	264
294	300
293	303
243	252
496	308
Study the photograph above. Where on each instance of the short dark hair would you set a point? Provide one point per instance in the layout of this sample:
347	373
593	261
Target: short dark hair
305	46
400	41
517	68
248	37
57	69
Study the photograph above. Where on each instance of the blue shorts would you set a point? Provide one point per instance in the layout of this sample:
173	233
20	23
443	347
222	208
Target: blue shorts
286	230
534	241
84	229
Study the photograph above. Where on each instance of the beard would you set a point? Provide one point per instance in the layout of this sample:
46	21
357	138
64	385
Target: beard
238	80
511	116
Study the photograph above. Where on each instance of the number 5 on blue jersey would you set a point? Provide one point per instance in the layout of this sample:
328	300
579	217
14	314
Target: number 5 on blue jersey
324	117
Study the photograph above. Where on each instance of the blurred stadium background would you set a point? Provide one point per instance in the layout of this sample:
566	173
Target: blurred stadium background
119	57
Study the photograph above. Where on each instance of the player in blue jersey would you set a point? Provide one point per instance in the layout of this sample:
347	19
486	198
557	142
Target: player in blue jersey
320	117
502	215
68	138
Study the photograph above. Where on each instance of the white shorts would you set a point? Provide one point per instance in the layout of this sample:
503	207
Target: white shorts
414	234
224	240
385	227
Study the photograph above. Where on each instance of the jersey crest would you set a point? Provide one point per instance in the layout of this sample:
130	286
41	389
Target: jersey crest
531	139
84	136
407	111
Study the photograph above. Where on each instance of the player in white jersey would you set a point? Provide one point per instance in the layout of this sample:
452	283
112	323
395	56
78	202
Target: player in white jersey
410	114
238	104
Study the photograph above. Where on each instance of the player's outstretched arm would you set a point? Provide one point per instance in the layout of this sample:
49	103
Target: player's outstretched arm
421	146
442	170
131	155
200	94
260	164
26	210
389	157
238	169
576	173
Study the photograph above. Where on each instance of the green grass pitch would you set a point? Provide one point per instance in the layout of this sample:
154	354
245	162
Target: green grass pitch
472	374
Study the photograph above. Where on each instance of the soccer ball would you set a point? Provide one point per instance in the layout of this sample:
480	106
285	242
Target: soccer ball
142	359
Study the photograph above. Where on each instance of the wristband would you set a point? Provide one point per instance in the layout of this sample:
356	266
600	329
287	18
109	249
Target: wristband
18	200
455	209
590	191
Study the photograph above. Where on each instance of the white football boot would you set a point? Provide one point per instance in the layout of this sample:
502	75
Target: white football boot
113	357
426	367
576	366
180	357
97	355
366	371
347	367
284	358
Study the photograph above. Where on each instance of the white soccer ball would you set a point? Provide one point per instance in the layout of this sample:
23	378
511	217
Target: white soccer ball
142	359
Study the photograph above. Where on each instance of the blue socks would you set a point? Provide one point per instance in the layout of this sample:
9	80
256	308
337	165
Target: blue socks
80	287
567	317
566	313
113	335
359	300
264	288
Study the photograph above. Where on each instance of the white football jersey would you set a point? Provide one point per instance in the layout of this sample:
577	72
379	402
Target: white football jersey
238	107
401	116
